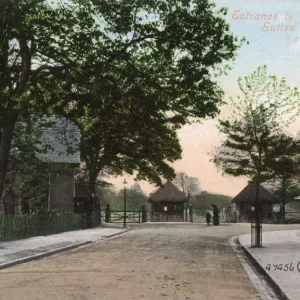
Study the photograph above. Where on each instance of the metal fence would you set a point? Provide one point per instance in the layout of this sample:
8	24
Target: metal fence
13	227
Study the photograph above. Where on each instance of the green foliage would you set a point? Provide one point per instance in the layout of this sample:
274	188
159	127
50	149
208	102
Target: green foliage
162	59
203	201
284	157
284	161
40	44
134	199
253	132
127	72
27	176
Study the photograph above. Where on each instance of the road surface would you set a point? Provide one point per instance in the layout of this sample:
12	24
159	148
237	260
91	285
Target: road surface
153	262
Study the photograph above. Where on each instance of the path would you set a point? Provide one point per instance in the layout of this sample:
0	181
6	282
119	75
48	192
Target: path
280	259
18	251
150	262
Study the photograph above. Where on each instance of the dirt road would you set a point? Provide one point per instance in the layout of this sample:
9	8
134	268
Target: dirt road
150	262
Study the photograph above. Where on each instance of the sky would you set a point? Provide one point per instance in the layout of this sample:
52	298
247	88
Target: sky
278	49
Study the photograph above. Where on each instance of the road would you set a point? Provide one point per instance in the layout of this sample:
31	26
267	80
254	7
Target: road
153	262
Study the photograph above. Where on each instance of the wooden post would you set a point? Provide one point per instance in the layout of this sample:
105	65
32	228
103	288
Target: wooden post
191	214
107	214
144	214
124	206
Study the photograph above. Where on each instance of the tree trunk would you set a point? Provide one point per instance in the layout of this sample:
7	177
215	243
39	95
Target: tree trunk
93	174
283	198
257	214
92	183
5	144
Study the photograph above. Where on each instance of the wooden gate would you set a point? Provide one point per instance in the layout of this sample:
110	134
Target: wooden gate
131	217
167	216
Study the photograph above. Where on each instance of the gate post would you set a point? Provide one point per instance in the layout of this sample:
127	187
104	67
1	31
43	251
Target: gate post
144	214
191	214
107	214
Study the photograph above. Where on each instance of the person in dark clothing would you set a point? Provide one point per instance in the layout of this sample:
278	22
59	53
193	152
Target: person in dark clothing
216	215
208	217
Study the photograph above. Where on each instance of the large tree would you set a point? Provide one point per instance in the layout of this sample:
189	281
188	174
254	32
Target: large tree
257	119
256	125
163	58
39	41
157	59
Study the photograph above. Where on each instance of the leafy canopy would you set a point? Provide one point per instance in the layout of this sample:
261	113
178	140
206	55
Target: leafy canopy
267	105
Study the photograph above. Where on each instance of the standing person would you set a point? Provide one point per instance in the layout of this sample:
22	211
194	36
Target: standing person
216	217
208	217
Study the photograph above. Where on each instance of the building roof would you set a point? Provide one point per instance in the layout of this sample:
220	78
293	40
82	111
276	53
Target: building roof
61	140
168	193
247	195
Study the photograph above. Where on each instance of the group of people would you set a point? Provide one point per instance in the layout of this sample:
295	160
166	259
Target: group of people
215	216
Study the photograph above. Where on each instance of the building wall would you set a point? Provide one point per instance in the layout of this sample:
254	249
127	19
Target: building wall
62	191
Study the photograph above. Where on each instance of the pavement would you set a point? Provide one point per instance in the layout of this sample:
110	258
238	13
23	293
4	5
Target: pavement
20	251
278	259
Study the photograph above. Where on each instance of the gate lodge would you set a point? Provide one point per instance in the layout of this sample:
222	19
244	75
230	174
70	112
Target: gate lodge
167	204
246	198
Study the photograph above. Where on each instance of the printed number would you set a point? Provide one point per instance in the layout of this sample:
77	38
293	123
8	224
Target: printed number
286	267
275	267
268	267
279	267
298	266
291	267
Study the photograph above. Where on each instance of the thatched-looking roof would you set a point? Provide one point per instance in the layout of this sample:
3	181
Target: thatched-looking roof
247	195
168	193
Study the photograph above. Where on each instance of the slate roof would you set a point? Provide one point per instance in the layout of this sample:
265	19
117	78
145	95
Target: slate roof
247	195
62	141
168	193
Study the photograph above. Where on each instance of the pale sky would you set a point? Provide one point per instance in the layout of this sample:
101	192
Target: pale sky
279	50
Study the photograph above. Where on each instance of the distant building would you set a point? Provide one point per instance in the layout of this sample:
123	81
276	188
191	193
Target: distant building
246	199
167	204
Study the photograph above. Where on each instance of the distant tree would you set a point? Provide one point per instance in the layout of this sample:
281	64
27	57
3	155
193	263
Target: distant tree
203	201
108	195
134	199
189	185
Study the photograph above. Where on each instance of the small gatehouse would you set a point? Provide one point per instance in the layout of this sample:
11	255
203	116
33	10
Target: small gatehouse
167	204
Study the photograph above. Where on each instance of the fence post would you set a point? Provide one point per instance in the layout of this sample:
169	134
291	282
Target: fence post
191	214
107	214
144	214
25	225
